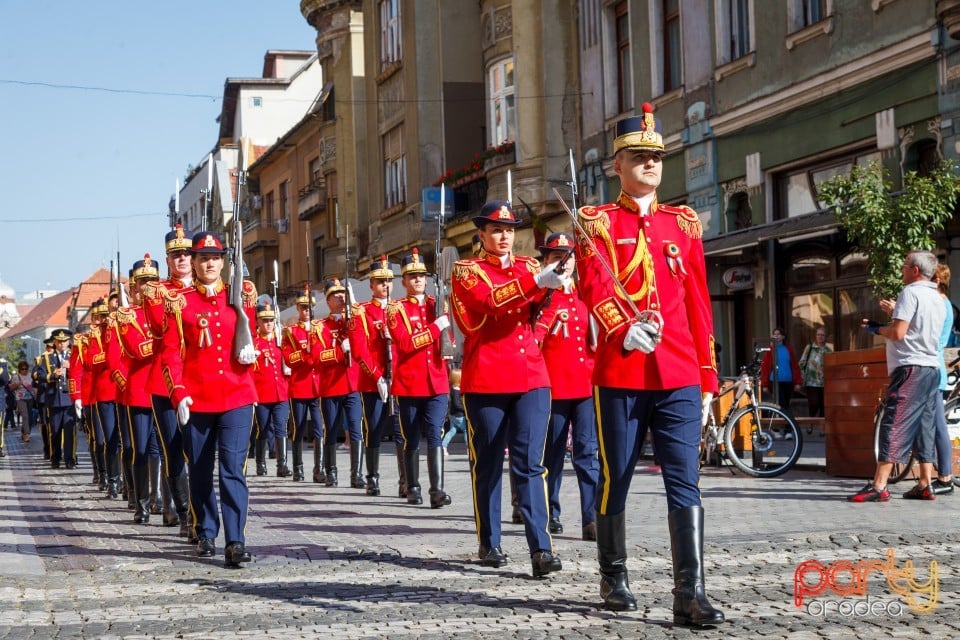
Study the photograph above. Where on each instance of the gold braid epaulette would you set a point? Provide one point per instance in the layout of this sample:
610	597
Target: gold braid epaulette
533	265
173	301
357	308
151	290
689	222
126	315
594	220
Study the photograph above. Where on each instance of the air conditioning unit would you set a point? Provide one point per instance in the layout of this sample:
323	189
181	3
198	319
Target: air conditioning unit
283	225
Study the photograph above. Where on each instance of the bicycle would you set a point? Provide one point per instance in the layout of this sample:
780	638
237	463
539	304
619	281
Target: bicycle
951	408
775	438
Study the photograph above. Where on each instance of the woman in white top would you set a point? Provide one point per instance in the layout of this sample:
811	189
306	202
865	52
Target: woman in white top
22	386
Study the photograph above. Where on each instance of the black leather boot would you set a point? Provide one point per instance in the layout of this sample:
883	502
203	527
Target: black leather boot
260	452
356	466
297	460
130	491
102	466
141	492
372	455
283	471
401	470
438	497
690	604
612	555
319	476
330	461
170	517
113	477
156	500
411	463
180	488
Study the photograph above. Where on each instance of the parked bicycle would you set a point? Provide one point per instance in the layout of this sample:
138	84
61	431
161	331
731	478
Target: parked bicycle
951	408
761	439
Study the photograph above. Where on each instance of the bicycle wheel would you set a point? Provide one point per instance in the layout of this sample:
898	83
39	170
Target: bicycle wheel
775	440
899	470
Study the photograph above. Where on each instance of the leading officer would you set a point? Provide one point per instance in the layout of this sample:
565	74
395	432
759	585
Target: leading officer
655	356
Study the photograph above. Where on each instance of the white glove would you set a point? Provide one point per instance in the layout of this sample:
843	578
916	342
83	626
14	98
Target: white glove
443	322
287	371
641	336
383	388
345	345
183	410
248	355
550	279
705	408
78	407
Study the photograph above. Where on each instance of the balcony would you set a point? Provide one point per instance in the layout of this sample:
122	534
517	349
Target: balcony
312	199
257	235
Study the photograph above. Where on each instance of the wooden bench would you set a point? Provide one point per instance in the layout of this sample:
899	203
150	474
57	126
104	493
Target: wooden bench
810	423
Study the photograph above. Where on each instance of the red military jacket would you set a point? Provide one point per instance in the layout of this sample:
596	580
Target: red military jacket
271	384
419	369
369	342
109	373
197	357
156	299
136	342
491	305
336	377
563	331
80	376
299	353
659	260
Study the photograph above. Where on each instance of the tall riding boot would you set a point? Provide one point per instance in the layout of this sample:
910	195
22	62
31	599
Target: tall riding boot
356	474
411	463
260	451
402	470
181	502
141	492
690	604
102	466
153	466
612	554
170	517
318	463
297	460
128	481
113	476
283	470
330	461
373	470
438	497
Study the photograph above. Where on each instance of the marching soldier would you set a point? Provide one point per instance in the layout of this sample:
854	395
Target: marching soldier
563	331
420	379
39	374
214	394
157	297
118	377
299	344
82	395
505	387
63	440
374	353
339	379
105	363
272	410
643	278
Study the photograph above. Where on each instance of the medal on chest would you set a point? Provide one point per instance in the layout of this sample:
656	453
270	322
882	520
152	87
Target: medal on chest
203	323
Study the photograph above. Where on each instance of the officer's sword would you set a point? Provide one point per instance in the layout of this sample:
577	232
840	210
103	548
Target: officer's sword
647	315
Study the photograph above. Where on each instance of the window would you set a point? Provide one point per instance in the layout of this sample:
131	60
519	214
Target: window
503	112
624	69
813	11
314	178
256	101
333	222
268	207
390	49
804	13
797	190
734	29
285	200
285	272
671	45
394	168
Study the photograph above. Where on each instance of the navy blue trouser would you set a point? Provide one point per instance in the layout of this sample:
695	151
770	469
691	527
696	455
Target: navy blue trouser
376	418
144	436
673	417
105	418
224	437
335	410
63	435
299	410
171	438
580	415
272	420
519	422
124	433
422	418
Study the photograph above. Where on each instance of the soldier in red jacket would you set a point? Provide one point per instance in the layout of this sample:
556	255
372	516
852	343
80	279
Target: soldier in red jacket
420	379
213	391
339	380
375	355
272	409
655	357
105	365
299	353
563	331
505	386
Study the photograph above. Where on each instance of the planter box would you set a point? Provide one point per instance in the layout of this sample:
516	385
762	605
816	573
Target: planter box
854	381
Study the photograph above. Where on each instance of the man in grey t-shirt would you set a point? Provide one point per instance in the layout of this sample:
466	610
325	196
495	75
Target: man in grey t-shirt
912	362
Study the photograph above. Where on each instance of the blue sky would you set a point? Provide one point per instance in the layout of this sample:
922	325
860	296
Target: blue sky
81	167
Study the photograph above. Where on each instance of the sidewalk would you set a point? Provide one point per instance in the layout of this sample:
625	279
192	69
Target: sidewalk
336	563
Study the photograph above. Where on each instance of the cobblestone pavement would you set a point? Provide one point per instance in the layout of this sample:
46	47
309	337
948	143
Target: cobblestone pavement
335	563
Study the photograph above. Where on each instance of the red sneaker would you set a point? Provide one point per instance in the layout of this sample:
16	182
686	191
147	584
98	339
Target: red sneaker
869	493
916	493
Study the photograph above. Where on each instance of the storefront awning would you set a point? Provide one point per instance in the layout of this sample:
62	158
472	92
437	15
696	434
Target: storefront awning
789	230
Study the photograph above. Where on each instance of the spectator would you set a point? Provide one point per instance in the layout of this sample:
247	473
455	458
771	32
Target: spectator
456	418
784	373
943	484
811	366
913	357
21	384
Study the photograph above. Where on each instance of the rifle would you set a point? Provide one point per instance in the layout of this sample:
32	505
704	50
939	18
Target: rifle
388	368
276	307
309	293
537	308
446	337
348	293
242	336
124	301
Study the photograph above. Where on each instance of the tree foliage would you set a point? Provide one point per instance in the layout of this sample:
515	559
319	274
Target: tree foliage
884	225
